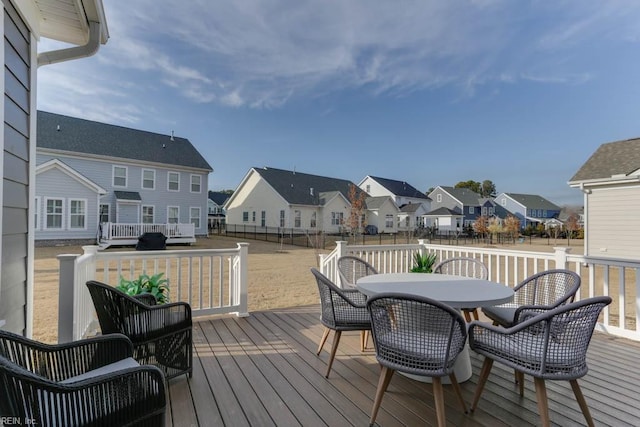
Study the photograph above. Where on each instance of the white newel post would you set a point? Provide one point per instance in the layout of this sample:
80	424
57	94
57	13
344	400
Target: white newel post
561	257
66	277
243	281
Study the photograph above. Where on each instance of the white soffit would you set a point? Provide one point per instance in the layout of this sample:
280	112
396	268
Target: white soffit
68	20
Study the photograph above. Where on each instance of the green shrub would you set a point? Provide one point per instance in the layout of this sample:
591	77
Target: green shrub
145	284
423	263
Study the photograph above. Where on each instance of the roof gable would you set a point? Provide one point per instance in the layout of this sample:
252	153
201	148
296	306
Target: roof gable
305	189
611	160
69	134
399	188
463	195
64	168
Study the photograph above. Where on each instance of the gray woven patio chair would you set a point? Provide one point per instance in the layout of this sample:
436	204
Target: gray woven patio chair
352	268
549	345
342	310
467	267
546	290
418	336
88	382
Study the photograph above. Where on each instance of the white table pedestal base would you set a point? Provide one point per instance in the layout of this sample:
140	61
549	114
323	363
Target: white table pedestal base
462	369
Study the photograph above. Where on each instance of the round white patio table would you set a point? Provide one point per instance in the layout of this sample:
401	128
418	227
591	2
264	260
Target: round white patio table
455	291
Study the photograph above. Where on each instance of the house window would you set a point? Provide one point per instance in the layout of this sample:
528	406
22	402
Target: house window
148	179
368	188
407	221
54	213
77	214
173	214
36	213
194	216
541	213
296	218
245	216
312	222
491	211
104	212
119	176
439	198
532	213
263	218
282	218
471	209
253	216
388	221
484	210
503	202
173	181
196	183
147	215
336	218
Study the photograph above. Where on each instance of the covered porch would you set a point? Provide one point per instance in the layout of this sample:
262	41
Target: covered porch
263	370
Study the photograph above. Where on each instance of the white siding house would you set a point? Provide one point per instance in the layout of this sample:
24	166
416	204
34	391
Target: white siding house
269	198
610	181
82	24
92	173
382	213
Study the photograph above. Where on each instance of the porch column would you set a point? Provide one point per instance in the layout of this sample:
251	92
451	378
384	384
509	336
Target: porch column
66	298
242	281
560	255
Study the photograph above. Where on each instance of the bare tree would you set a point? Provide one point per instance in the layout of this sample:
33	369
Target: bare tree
572	225
495	227
355	223
480	225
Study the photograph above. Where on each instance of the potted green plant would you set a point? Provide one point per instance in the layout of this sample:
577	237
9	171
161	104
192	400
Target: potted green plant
145	284
423	263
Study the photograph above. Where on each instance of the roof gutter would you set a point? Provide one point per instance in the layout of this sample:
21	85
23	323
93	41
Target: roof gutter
69	54
603	181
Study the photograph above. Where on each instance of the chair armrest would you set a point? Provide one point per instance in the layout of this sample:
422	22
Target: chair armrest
525	312
174	307
355	297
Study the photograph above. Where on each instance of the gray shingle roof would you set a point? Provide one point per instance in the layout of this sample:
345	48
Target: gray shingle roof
127	195
218	198
400	188
533	201
71	134
464	195
613	158
443	212
375	202
304	189
410	207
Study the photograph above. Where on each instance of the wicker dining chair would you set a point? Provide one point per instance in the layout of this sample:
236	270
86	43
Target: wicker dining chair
342	310
417	336
88	382
467	267
161	334
549	345
548	289
352	268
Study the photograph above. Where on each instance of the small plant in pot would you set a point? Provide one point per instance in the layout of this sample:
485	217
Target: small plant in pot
423	263
154	285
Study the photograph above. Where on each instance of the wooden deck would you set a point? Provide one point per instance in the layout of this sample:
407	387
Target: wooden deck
262	370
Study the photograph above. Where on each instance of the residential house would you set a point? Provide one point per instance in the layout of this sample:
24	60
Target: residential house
530	209
381	213
215	209
462	205
81	24
411	202
610	181
282	199
90	174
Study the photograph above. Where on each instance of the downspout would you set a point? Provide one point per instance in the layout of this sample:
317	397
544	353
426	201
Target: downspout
586	192
68	54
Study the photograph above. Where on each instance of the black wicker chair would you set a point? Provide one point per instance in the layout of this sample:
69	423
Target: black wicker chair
161	334
549	345
342	310
417	336
88	382
467	267
351	268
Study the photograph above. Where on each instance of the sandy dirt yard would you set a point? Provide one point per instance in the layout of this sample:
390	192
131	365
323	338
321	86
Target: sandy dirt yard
278	276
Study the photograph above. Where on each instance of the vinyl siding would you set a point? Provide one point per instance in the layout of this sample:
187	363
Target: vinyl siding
15	166
613	222
101	172
255	195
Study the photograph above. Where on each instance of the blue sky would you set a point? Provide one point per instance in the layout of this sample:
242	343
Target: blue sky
429	92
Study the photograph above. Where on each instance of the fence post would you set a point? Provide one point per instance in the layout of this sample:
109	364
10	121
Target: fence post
243	282
66	298
561	256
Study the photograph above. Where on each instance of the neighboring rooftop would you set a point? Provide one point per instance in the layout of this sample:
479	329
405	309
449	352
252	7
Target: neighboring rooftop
218	197
533	201
611	159
302	188
69	134
400	188
464	195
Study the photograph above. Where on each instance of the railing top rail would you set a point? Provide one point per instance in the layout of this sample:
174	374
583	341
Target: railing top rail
492	251
383	247
603	260
167	254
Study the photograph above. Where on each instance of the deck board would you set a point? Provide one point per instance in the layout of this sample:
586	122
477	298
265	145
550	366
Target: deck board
263	370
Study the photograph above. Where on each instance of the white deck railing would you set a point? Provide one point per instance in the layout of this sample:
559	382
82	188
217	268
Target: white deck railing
114	230
619	279
212	281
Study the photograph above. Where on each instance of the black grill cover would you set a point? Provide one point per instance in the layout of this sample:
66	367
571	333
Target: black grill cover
151	242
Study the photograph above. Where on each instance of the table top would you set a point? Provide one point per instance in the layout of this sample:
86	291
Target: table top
455	291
